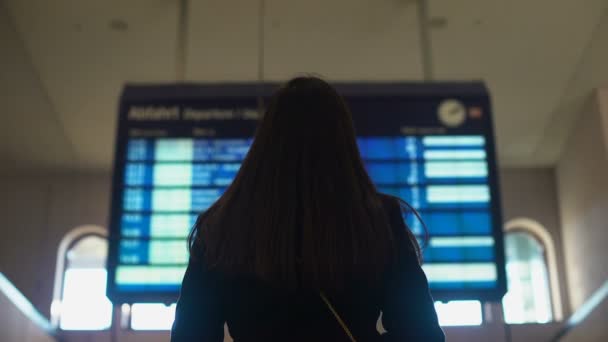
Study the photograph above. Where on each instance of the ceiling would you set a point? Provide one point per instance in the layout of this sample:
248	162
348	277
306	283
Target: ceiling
63	62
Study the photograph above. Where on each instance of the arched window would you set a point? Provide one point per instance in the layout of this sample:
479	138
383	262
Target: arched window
533	289
79	297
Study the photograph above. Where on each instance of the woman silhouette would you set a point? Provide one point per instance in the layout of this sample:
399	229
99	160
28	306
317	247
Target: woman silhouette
301	246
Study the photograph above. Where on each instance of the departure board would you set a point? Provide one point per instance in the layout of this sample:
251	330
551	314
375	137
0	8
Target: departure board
179	147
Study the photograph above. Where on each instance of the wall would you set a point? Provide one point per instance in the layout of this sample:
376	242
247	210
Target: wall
531	193
583	198
16	327
19	321
26	108
36	213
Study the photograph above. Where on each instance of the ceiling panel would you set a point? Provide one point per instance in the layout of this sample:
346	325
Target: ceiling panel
591	73
223	40
85	51
30	136
342	39
525	50
69	59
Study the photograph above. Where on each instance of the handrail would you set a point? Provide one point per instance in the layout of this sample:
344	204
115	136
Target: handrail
597	298
24	305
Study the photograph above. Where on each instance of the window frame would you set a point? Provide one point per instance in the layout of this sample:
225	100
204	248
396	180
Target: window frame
539	233
67	242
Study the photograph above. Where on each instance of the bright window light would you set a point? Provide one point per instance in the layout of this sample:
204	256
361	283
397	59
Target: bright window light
152	316
84	305
459	313
528	299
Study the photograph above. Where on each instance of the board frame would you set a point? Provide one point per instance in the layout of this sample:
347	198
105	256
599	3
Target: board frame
469	93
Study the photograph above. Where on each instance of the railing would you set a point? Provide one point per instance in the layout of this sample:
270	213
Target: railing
583	312
23	305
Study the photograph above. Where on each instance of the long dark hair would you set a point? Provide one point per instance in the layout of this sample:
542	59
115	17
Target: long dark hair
302	210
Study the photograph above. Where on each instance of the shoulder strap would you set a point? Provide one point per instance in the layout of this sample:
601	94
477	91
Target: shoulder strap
335	313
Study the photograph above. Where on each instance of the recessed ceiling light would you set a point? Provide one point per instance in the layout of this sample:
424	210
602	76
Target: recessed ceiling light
119	25
438	22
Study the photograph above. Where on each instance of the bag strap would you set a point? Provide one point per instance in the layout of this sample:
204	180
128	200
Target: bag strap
335	313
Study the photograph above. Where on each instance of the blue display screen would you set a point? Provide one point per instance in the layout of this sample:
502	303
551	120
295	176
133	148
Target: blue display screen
445	178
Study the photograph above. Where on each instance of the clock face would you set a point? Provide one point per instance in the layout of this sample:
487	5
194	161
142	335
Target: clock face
452	113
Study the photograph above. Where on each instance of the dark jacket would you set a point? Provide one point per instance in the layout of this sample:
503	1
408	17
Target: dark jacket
255	311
